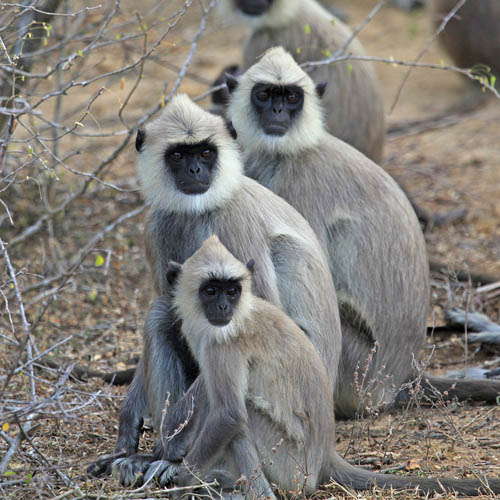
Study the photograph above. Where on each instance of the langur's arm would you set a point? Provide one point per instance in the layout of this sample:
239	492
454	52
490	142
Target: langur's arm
224	370
182	423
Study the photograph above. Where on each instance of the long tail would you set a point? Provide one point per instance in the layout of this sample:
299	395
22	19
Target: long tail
80	372
360	479
435	388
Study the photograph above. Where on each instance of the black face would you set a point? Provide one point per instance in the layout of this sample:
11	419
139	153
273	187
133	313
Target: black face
253	7
219	298
277	106
192	166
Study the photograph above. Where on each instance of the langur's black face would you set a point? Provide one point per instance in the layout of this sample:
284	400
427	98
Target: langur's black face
277	106
253	7
219	298
192	166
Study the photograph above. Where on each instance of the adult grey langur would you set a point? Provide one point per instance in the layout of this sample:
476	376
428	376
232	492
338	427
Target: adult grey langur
190	170
364	222
472	36
472	39
264	399
353	100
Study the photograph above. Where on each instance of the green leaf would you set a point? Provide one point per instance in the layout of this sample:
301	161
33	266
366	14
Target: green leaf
307	29
299	50
29	477
80	53
9	473
99	260
493	80
93	295
349	69
441	63
326	53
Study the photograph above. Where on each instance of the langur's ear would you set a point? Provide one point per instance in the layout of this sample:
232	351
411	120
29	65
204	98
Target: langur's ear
251	265
173	270
231	129
231	82
320	89
139	140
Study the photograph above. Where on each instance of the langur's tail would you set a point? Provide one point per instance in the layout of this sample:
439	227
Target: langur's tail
360	479
435	388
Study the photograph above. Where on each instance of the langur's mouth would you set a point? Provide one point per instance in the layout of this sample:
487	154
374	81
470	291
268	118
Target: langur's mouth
253	10
275	129
192	189
220	321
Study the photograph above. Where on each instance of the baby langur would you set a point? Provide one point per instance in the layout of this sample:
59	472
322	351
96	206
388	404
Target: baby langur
308	31
364	221
267	405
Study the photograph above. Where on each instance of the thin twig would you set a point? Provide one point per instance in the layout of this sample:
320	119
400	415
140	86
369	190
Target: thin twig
427	45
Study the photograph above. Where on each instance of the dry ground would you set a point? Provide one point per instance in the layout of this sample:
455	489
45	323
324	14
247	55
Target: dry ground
444	168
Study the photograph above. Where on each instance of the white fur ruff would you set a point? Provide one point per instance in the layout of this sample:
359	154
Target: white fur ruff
183	122
211	261
279	68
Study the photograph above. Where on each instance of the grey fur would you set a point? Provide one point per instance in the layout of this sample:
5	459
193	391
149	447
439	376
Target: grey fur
283	243
353	99
365	223
288	439
376	253
252	223
369	232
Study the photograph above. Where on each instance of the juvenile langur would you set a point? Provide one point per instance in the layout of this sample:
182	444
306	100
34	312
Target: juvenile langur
364	221
190	170
267	404
353	100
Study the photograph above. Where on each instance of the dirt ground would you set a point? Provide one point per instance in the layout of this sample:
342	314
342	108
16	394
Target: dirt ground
445	168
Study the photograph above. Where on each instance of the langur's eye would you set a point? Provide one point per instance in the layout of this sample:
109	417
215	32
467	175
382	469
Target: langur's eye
232	291
292	98
210	291
207	153
176	155
262	96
